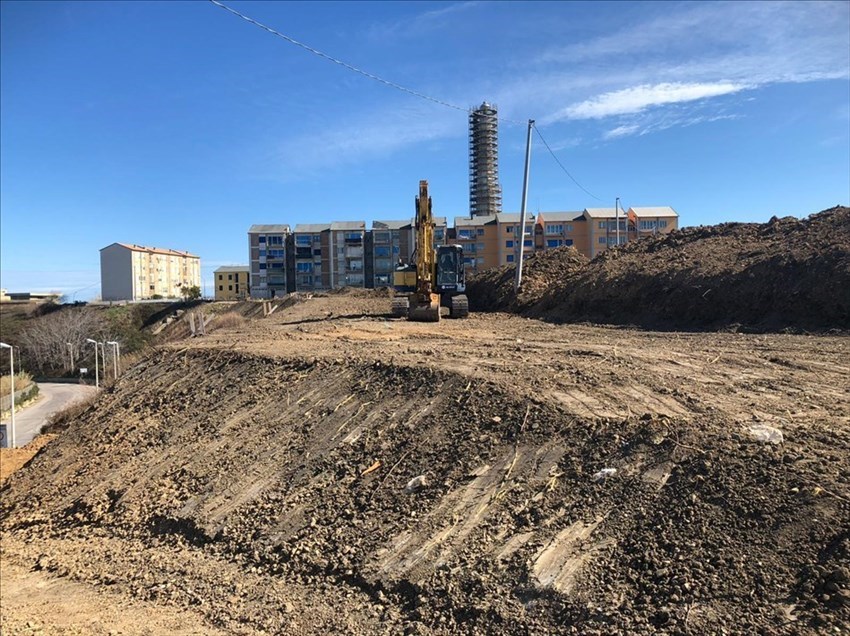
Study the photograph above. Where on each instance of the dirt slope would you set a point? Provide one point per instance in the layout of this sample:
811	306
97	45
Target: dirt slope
784	274
259	480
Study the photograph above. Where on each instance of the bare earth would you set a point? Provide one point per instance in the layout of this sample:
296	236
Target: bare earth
255	482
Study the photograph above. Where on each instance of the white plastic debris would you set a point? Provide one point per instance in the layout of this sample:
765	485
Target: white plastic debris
416	483
604	474
767	434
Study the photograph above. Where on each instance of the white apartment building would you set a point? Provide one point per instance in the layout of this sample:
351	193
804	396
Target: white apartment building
135	272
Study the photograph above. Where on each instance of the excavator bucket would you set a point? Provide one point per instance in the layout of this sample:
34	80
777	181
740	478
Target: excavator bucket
423	310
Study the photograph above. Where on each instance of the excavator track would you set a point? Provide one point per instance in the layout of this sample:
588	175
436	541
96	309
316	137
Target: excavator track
459	306
400	306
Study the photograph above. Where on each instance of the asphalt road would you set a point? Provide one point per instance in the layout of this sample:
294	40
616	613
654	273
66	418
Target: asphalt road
53	396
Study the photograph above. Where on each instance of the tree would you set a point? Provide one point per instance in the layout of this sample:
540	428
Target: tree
46	339
191	293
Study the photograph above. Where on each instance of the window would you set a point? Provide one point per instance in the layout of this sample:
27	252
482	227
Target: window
262	239
439	235
568	241
382	251
510	230
230	277
603	225
479	261
275	253
262	265
554	229
304	267
382	279
479	247
317	251
466	261
602	240
396	250
277	265
317	238
230	288
355	265
509	243
303	240
262	253
554	243
220	288
480	231
381	237
510	258
465	235
569	227
275	240
470	247
383	264
662	223
353	236
528	243
220	276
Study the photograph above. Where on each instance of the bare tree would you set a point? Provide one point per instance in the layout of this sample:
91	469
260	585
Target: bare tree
46	339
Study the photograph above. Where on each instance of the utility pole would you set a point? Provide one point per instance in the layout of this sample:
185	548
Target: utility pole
13	441
96	369
518	280
71	355
617	218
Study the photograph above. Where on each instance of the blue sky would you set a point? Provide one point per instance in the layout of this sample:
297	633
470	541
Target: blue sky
177	124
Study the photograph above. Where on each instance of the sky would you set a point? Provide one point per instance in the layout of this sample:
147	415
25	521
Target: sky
179	124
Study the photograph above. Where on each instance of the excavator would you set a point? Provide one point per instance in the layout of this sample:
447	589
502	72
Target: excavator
436	280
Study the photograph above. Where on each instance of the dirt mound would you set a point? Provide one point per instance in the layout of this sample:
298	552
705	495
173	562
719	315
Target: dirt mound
493	290
350	495
784	274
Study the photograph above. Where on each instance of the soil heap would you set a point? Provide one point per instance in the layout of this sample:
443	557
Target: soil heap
783	274
344	493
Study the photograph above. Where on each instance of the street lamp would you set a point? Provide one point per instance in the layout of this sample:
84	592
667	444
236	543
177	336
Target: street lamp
96	371
12	385
103	359
71	355
116	357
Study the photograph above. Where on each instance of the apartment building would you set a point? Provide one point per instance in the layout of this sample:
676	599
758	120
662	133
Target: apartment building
508	224
479	236
348	254
267	254
650	221
136	272
232	282
311	269
330	255
562	229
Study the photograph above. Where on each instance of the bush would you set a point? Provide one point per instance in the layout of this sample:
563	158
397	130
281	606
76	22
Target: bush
228	320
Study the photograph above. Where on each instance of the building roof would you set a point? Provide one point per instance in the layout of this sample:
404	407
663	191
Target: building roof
391	225
152	250
513	217
269	229
465	221
225	269
560	217
311	228
656	211
603	213
351	226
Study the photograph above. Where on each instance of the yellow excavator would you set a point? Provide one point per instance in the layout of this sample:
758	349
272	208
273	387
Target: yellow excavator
436	280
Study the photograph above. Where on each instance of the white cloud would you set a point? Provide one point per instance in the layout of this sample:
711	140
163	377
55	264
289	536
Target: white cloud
621	131
639	98
426	21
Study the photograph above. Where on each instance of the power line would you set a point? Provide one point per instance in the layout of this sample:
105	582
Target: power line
346	65
554	156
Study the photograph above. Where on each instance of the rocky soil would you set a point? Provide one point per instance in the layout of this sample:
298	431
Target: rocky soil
328	469
785	274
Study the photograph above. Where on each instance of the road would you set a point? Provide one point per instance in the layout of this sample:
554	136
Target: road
53	397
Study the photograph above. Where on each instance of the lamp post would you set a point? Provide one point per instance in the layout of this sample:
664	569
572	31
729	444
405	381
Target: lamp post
12	386
71	355
116	357
96	370
103	360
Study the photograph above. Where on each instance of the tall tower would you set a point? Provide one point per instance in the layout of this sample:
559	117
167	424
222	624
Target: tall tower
485	193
